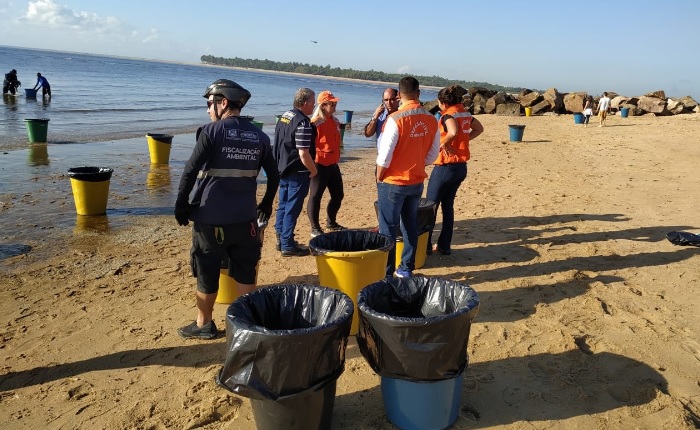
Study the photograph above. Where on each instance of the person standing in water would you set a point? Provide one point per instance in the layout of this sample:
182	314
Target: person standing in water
43	83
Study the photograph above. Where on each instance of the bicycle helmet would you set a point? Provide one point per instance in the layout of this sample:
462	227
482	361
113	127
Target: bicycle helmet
228	89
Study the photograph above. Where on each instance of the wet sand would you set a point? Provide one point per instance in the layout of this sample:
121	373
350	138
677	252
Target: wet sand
588	319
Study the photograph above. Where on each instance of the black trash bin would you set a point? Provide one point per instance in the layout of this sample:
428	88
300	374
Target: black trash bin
285	351
425	223
414	333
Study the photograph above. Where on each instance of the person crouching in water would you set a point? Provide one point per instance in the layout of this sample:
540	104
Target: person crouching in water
221	175
327	158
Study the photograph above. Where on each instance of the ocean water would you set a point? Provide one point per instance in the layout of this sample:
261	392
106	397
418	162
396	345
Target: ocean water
99	113
100	98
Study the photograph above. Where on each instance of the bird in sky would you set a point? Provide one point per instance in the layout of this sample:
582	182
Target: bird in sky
313	41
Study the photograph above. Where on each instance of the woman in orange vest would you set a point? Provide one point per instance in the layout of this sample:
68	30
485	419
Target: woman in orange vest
327	158
457	127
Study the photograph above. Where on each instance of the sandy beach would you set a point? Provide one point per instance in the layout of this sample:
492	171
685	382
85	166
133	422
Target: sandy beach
588	314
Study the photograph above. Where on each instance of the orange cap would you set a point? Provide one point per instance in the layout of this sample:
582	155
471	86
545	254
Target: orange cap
325	97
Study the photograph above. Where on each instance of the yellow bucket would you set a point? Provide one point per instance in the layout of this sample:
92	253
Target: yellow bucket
90	187
420	250
350	272
528	111
159	147
228	292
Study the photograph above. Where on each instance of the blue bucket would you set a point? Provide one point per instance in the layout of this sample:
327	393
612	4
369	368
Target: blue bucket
421	405
578	118
624	112
516	133
348	116
30	93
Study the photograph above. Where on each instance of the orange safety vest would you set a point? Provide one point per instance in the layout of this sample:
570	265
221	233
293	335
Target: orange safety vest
327	141
417	129
460	144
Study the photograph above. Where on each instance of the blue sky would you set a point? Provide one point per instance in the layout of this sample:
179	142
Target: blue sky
627	46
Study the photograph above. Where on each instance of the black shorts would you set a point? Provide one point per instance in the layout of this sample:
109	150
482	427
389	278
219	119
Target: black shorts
211	245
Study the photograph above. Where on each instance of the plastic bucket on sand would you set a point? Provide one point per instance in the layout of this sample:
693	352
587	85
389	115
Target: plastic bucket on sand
348	116
37	129
516	132
578	118
421	405
258	124
285	351
90	189
528	111
414	333
30	93
349	260
159	147
624	112
420	250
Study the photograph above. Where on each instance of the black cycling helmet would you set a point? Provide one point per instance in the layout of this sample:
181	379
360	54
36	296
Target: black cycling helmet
228	89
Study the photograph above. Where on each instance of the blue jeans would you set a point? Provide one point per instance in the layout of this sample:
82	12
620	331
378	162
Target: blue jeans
442	189
293	190
398	208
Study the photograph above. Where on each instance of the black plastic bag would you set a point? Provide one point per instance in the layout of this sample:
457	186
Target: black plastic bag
349	241
683	238
90	174
416	329
425	218
285	339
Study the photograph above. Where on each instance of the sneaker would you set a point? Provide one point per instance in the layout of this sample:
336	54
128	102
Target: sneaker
402	273
191	331
316	232
297	251
334	226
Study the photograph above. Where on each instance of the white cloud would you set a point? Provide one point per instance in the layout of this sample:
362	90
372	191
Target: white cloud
404	69
151	36
47	13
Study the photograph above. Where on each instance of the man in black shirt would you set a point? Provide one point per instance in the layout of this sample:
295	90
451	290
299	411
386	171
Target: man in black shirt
218	192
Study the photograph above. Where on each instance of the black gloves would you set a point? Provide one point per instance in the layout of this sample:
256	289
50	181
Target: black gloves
182	213
264	211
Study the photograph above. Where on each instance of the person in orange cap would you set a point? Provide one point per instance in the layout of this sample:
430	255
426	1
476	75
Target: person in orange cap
327	158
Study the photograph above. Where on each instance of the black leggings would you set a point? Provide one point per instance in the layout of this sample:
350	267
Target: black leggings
327	177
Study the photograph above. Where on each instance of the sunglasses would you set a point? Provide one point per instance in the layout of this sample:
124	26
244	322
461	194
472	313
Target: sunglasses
211	102
334	104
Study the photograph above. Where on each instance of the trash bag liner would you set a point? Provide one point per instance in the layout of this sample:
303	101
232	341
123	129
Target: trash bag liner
285	339
425	218
349	241
683	238
416	329
90	174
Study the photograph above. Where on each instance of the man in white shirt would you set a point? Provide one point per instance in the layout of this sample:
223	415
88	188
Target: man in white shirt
603	108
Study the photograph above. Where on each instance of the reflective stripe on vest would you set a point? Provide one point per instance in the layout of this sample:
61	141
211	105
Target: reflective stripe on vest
227	173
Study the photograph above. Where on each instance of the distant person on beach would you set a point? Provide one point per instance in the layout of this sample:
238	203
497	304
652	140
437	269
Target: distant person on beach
43	83
409	141
389	105
587	111
295	151
457	128
327	159
221	178
10	83
603	108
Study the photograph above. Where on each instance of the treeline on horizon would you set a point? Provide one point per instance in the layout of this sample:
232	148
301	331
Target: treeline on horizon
367	75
